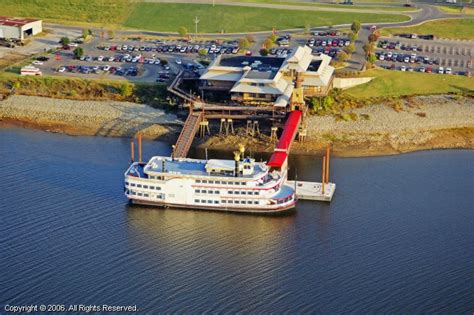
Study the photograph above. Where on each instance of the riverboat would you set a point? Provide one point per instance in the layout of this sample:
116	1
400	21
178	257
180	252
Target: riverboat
242	185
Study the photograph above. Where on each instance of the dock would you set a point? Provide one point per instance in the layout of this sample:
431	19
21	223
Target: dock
313	190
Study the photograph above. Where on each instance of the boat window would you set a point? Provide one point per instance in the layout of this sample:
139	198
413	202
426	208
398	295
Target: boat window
197	191
216	202
255	202
217	192
230	192
196	200
256	192
224	201
204	181
145	186
209	201
224	183
198	181
158	188
145	195
236	201
237	192
230	201
211	182
132	184
139	185
218	182
203	201
203	191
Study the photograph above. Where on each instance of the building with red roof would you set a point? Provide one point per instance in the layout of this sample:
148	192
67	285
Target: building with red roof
19	28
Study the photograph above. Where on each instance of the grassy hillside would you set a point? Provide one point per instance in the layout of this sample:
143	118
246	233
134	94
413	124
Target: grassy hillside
397	83
86	11
169	17
337	6
452	28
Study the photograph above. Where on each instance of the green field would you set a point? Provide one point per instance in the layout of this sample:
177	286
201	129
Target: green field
452	28
90	11
397	83
456	10
169	17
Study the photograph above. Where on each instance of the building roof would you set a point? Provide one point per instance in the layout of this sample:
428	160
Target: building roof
299	60
15	21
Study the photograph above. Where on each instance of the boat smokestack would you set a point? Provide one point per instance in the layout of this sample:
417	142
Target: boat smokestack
237	159
132	151
163	165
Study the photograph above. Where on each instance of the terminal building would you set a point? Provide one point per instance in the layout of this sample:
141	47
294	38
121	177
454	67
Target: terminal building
268	80
19	28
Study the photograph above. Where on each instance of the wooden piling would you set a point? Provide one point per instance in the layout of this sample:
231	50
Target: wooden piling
323	175
132	151
327	163
140	147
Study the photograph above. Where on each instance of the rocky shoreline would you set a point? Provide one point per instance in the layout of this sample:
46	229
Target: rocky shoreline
421	123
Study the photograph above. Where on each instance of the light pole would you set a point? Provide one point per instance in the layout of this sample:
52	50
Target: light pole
196	21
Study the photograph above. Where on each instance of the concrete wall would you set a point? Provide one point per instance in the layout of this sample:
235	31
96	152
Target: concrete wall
345	83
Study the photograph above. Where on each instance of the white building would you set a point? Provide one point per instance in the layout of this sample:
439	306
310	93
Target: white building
19	28
265	80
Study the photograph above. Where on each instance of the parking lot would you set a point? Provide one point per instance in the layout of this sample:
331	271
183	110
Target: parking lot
425	55
153	60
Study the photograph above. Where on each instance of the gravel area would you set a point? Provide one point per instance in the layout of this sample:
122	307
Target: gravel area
108	118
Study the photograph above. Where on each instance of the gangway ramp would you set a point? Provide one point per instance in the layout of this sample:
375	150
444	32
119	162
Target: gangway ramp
280	155
185	139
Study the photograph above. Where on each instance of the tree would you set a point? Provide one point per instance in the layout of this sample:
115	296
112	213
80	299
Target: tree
263	52
355	27
126	90
273	37
368	49
307	28
250	38
183	31
268	43
342	56
372	59
352	37
374	37
349	49
86	33
111	33
64	41
78	52
164	62
202	52
244	43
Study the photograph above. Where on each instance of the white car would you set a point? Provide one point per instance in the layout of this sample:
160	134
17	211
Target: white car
157	61
100	58
37	63
441	70
422	69
382	57
106	68
111	59
62	69
448	71
403	68
406	59
73	45
389	54
178	61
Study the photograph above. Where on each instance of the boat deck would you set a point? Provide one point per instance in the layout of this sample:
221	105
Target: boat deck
313	190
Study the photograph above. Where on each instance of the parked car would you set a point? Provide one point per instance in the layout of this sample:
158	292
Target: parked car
62	69
178	61
448	71
440	70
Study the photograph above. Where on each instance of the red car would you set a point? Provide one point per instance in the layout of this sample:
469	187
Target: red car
248	53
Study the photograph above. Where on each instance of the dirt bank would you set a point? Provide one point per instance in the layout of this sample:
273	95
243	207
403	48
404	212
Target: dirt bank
428	122
104	118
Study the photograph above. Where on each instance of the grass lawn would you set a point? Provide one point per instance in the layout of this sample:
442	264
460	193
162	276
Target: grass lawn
456	10
398	83
338	6
90	11
453	28
169	17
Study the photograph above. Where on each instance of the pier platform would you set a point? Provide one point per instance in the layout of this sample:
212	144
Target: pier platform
312	190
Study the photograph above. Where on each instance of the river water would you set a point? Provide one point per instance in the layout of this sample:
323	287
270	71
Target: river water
397	237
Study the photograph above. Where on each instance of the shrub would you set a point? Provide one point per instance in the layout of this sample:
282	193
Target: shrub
182	31
263	52
126	90
244	43
355	27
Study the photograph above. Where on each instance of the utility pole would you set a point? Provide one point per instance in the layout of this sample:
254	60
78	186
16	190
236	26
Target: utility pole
196	21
